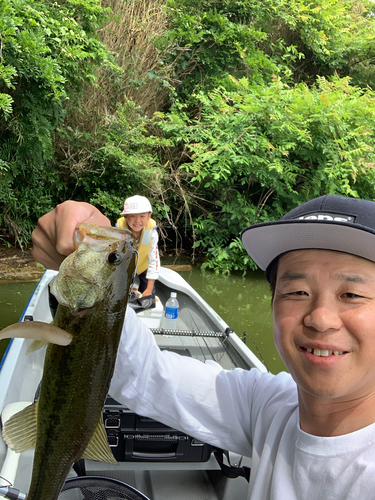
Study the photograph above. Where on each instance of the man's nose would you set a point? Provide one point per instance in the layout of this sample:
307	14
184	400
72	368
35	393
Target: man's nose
322	317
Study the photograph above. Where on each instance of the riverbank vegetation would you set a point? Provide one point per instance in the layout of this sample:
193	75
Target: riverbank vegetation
224	113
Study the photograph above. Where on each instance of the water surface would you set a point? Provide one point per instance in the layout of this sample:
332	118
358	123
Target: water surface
14	295
243	302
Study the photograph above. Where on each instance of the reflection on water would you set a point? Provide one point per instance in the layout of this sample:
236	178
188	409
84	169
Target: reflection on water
243	302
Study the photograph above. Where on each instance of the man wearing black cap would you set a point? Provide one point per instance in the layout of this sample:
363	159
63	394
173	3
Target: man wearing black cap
311	434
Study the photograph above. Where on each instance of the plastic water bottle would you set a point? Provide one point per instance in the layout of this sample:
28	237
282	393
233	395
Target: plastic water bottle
171	312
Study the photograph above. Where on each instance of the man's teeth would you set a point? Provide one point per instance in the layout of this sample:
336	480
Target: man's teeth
323	352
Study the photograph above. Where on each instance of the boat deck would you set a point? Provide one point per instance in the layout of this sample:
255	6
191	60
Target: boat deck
201	334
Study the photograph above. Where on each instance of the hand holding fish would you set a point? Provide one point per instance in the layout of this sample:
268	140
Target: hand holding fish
92	286
53	238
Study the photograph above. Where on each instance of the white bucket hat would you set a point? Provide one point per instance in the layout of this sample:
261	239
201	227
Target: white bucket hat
136	205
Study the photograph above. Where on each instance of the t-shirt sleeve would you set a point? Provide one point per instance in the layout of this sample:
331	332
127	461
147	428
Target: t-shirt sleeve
201	399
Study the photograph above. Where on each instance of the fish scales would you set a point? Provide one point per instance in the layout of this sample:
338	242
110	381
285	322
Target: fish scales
68	412
76	377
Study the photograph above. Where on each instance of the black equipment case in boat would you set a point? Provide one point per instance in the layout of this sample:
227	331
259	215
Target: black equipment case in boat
133	438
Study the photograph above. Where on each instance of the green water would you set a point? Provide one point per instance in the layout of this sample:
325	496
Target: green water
14	296
243	303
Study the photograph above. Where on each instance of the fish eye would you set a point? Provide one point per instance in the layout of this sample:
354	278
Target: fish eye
114	258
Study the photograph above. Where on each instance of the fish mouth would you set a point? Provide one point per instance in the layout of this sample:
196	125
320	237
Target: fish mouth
323	352
82	311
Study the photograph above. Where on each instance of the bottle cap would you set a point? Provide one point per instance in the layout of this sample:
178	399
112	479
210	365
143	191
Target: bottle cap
173	295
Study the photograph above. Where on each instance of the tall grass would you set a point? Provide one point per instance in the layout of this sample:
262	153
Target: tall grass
130	36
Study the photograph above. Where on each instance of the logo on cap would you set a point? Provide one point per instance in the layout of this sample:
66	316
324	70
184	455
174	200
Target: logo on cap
325	216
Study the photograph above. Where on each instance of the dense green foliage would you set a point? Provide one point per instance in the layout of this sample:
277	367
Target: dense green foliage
49	51
223	112
258	151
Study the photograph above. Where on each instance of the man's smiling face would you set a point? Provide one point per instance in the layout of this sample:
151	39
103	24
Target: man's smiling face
324	323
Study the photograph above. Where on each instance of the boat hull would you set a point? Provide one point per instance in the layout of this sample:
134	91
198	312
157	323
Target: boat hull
158	473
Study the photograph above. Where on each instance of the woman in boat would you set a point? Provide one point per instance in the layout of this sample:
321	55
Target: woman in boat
137	217
310	432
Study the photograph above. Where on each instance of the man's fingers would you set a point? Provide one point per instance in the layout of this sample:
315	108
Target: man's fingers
53	238
44	252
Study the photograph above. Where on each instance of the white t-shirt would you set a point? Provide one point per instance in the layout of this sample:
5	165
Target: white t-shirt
250	413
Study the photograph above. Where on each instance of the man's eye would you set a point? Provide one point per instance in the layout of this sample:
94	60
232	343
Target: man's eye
349	295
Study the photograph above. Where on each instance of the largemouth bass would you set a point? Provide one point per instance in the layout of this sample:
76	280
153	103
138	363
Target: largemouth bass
65	423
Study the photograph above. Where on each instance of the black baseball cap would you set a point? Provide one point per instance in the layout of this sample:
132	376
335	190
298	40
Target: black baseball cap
329	222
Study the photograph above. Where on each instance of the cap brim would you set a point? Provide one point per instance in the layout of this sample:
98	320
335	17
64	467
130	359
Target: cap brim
264	242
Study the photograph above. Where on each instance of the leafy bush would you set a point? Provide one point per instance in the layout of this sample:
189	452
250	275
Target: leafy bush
49	50
260	105
120	159
213	39
259	151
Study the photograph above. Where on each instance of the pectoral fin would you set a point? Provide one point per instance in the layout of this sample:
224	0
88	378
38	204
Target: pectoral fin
37	330
36	345
19	431
98	448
